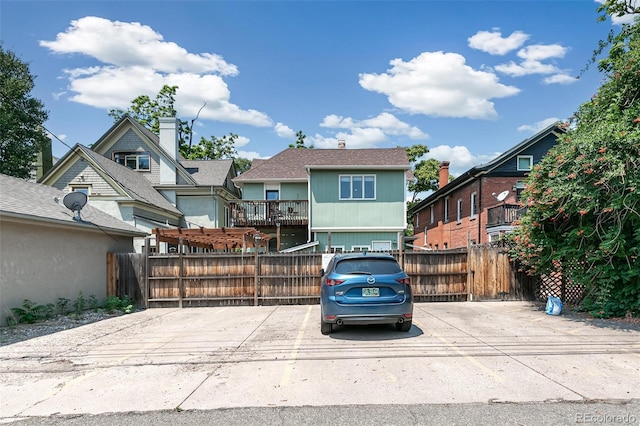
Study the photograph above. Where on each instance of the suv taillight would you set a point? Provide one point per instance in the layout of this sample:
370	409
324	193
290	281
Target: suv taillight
404	280
331	282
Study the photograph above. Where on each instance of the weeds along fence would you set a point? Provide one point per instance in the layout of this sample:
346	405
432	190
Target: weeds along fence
168	280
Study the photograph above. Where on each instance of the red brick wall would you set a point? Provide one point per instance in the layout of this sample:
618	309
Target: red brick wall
454	234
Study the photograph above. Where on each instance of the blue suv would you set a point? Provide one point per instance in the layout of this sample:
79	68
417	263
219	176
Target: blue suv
365	288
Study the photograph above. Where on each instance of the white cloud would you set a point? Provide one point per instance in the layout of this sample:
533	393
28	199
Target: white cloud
284	131
459	157
386	123
137	61
241	141
526	68
537	126
540	52
532	57
560	79
249	155
439	84
127	44
356	138
493	43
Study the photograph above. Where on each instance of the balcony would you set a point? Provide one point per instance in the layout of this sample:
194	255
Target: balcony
254	213
504	214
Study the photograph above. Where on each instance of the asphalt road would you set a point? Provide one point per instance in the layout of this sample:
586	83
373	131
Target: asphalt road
461	363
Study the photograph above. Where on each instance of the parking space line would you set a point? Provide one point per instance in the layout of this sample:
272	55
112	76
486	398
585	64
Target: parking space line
286	375
472	360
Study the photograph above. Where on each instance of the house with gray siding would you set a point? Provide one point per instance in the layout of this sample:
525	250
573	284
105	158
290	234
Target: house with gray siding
48	252
140	178
330	200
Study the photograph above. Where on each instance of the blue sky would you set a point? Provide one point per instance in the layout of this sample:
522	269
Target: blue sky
469	79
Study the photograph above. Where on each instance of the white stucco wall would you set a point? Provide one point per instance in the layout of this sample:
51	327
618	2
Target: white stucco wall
43	263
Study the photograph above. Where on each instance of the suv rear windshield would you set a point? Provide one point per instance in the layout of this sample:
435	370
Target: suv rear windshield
370	266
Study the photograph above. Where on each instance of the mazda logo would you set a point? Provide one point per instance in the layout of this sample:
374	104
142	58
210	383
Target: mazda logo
371	280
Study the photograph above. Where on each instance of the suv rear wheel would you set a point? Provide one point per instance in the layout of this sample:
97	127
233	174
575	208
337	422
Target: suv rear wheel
402	326
326	327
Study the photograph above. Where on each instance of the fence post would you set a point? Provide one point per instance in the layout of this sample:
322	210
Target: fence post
145	283
255	278
180	273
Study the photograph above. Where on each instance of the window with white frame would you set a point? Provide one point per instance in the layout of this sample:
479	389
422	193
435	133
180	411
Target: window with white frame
85	189
446	209
459	211
360	248
133	160
337	249
525	163
472	214
357	187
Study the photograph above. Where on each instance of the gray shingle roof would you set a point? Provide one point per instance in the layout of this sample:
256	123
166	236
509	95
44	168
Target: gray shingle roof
27	200
208	172
292	163
132	182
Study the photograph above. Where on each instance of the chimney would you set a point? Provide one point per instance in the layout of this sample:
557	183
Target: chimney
444	174
168	142
341	144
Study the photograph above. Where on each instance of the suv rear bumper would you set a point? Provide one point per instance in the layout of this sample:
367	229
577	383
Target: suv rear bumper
367	319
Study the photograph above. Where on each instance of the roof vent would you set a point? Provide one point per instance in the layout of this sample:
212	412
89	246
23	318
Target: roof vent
342	144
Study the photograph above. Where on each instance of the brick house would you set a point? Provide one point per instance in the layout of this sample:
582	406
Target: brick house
482	203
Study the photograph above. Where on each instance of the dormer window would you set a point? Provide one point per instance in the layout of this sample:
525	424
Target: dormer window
133	160
525	163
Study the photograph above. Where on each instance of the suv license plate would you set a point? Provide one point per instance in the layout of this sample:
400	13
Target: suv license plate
370	292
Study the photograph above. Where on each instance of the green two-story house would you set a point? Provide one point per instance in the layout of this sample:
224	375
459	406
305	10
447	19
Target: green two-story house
329	200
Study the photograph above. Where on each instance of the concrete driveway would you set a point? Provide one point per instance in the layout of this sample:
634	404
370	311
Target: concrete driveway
209	358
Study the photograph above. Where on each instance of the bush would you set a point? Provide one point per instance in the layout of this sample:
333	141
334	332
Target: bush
30	312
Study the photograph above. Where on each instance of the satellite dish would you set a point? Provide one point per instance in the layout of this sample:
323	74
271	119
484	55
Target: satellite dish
501	196
75	201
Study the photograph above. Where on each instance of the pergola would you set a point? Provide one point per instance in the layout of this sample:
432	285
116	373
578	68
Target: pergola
213	238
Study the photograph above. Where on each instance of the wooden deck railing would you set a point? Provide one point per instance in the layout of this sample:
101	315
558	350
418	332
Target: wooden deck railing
269	213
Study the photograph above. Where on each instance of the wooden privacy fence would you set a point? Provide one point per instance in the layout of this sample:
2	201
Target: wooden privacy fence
167	280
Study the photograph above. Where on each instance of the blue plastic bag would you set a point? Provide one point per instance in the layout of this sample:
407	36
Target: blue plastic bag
554	306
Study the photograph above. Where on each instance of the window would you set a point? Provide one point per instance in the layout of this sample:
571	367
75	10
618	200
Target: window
360	248
459	211
380	245
431	218
525	163
133	160
272	194
85	189
337	249
446	209
354	187
472	215
519	188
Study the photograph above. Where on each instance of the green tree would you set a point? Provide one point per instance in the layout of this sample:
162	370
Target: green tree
425	172
242	165
214	148
583	198
300	137
22	117
148	112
